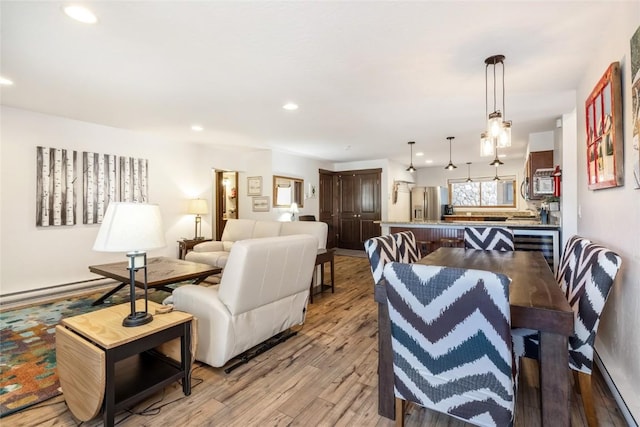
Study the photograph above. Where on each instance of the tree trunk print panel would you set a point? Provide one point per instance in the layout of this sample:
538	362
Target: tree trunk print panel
99	183
55	186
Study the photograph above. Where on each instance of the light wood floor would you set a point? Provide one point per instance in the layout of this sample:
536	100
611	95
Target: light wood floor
326	375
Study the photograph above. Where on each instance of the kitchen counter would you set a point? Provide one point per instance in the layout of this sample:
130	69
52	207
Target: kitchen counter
528	235
510	223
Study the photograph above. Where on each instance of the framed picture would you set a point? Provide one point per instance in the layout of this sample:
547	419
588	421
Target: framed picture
260	204
604	132
254	186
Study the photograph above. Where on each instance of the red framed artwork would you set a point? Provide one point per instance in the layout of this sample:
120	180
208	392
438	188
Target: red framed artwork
604	132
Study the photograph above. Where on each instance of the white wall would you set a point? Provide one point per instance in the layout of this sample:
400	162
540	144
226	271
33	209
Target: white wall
438	176
612	216
266	163
38	257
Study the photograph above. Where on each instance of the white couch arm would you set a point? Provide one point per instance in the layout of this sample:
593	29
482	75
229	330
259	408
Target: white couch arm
215	336
209	247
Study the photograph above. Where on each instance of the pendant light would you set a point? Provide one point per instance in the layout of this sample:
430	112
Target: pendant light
498	132
496	161
469	172
450	166
496	178
411	168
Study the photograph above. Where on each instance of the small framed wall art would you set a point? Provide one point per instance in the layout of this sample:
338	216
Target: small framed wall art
254	186
260	204
604	132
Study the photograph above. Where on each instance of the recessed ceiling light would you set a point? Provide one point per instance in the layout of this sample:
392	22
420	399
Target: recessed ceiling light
197	128
5	82
428	161
81	14
419	154
290	106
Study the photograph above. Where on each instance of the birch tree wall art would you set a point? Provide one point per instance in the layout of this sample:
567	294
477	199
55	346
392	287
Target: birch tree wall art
55	187
134	177
99	183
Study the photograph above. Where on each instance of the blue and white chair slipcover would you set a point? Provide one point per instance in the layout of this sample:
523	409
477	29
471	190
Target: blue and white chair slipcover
399	247
488	238
451	341
586	273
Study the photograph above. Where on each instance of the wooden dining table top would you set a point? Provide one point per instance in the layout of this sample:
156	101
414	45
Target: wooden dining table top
536	300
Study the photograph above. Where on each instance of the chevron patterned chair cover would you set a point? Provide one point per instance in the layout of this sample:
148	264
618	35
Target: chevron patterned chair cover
407	247
488	238
399	247
586	273
451	342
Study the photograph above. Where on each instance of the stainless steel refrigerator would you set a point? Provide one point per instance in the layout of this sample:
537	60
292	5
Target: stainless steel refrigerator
427	203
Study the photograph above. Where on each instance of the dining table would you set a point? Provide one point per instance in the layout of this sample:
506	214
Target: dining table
536	302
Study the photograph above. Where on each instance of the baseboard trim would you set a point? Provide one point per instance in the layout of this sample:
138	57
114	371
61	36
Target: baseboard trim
624	409
40	295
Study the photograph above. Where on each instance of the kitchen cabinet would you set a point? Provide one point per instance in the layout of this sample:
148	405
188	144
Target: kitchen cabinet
536	160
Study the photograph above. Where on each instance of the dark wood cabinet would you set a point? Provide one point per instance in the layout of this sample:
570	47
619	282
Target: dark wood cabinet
536	160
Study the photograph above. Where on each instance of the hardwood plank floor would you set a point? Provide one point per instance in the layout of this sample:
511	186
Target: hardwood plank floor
324	376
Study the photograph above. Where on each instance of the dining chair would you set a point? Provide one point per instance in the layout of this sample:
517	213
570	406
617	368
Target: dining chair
488	238
587	274
451	342
399	247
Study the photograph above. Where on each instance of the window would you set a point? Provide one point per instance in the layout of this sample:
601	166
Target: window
483	192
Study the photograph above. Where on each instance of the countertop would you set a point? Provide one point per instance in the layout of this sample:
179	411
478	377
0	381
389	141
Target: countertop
531	224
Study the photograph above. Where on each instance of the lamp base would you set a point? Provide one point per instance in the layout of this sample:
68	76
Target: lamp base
137	319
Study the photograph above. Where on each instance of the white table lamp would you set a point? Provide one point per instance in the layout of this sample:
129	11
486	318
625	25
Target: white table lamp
132	228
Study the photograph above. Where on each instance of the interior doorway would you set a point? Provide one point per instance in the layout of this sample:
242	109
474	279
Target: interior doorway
226	184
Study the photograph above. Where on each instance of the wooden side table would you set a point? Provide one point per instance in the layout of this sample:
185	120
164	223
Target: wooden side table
324	255
185	245
99	360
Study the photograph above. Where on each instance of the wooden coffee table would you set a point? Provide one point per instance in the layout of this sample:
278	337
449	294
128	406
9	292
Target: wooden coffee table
161	271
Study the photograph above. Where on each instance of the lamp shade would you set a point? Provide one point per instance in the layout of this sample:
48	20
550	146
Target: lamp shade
198	207
129	227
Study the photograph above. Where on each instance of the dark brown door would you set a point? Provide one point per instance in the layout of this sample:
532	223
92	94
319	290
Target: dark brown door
349	208
328	205
359	207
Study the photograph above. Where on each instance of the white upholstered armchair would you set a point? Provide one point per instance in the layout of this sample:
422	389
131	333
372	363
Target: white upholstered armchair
263	292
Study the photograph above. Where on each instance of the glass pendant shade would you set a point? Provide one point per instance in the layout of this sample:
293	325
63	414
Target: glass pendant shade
494	124
486	146
504	140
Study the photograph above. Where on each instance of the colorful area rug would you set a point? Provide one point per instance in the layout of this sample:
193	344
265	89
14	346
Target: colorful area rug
27	347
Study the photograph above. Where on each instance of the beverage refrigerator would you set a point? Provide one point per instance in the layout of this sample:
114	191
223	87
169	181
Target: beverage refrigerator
427	203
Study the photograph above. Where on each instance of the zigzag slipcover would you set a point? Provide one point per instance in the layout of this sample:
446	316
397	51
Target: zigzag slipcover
488	238
400	247
587	289
407	247
451	341
568	261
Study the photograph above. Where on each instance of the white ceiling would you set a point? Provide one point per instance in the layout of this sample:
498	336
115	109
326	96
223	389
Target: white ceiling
368	76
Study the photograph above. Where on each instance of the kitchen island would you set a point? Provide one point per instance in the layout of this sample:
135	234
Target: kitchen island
528	235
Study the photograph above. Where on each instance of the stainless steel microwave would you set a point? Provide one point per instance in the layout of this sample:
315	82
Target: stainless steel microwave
543	182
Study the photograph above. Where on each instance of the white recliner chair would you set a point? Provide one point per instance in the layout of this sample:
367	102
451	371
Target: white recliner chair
263	292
